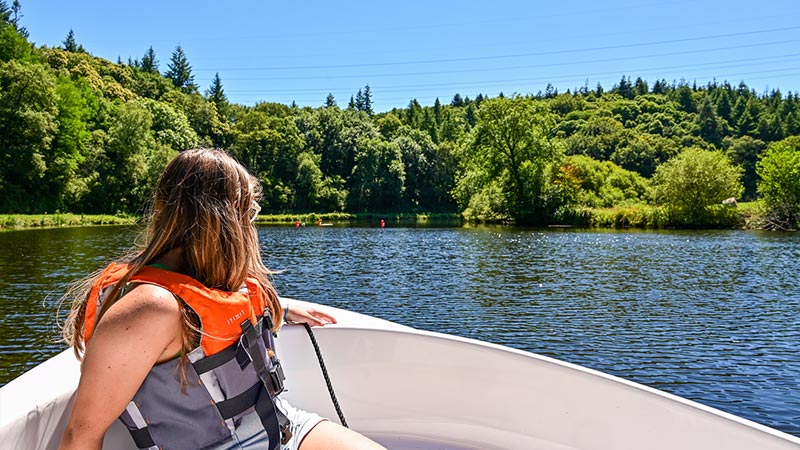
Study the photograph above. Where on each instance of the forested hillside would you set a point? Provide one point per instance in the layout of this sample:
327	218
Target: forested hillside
83	134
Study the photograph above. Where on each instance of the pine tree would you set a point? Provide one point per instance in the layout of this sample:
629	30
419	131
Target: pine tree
359	105
598	90
747	123
776	132
180	72
216	94
550	91
367	101
738	110
330	102
660	86
707	119
429	125
625	88
16	16
724	105
437	112
769	128
457	100
685	98
5	14
743	90
149	62
472	118
413	113
640	86
351	104
69	43
790	114
11	16
775	99
427	121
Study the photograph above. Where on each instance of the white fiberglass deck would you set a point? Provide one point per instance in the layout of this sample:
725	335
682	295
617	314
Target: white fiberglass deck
416	390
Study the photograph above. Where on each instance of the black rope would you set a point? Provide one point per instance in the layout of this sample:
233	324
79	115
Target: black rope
325	374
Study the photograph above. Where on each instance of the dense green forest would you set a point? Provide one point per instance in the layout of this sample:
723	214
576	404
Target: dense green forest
83	134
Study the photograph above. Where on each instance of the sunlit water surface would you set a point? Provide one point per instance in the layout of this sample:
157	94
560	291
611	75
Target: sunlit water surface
710	316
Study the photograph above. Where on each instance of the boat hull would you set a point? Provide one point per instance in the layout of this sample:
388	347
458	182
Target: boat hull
412	389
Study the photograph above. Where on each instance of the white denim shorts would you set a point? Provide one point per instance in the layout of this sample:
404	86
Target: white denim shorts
250	434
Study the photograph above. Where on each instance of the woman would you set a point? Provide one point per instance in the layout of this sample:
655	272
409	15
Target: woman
176	340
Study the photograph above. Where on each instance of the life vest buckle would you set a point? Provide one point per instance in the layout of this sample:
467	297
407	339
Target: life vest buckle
276	378
286	433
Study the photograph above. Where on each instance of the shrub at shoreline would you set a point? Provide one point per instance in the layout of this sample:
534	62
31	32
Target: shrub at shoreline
19	221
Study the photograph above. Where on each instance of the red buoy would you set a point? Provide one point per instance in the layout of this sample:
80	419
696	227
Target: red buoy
383	223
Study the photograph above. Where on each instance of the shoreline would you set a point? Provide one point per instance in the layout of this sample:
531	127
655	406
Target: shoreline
645	217
10	222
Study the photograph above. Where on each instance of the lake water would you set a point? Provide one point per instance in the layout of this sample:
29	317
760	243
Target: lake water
712	316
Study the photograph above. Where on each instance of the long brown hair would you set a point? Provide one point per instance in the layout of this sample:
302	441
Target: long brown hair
203	207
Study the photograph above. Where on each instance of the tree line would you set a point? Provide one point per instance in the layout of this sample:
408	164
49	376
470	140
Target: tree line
87	135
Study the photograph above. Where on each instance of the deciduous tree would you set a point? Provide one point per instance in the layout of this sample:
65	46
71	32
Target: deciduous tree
511	142
28	118
378	177
696	182
779	169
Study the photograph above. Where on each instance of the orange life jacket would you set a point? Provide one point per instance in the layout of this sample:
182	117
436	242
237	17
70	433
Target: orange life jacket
233	371
220	312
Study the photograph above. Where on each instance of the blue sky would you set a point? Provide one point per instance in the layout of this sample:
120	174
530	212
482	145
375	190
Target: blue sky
300	51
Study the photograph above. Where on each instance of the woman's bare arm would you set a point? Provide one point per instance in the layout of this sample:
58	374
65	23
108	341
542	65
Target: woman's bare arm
140	330
299	313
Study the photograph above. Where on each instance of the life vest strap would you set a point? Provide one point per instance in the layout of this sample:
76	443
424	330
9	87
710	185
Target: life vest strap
142	438
218	359
276	424
210	363
234	406
140	433
237	350
268	369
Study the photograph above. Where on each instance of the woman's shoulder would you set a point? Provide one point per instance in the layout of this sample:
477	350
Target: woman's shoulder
147	302
148	314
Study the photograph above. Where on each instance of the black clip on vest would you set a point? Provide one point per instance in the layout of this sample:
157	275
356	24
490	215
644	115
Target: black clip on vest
269	370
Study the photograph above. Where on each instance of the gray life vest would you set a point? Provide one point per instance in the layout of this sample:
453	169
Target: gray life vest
203	411
220	389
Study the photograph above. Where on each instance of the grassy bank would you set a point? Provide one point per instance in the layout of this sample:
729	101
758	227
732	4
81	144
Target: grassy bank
16	221
308	218
21	221
391	219
745	215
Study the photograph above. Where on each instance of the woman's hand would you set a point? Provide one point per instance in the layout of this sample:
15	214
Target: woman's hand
298	313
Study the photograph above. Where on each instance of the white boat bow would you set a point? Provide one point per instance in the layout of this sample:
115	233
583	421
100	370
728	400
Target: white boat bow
413	389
